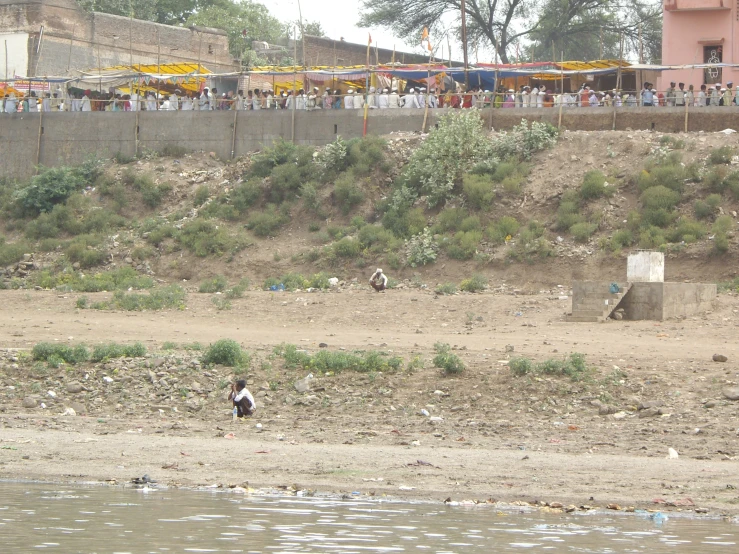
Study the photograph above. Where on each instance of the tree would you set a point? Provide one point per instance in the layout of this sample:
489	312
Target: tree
243	22
313	28
507	24
596	32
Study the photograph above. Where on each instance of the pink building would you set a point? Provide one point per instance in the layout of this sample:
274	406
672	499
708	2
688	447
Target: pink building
699	31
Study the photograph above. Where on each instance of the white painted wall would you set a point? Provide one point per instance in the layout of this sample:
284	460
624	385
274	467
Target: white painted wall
17	55
646	267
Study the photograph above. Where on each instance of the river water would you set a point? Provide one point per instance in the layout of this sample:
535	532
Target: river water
97	519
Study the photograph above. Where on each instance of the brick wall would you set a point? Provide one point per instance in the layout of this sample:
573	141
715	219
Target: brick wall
75	40
323	51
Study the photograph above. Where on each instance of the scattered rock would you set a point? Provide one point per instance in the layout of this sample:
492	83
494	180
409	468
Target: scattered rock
710	404
74	387
29	402
303	385
613	507
322	345
719	358
606	410
672	454
648	404
650	412
732	393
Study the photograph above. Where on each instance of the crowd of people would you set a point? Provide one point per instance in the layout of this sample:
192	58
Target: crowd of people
381	98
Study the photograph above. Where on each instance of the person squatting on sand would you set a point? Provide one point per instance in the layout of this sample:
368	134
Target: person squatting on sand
242	399
378	281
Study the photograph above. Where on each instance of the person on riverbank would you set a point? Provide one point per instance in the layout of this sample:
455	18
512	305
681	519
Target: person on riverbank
242	399
378	281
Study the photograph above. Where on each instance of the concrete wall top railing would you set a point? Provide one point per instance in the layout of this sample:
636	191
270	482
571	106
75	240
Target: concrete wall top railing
52	139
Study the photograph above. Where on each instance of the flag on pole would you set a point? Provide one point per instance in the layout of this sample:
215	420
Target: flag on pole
425	39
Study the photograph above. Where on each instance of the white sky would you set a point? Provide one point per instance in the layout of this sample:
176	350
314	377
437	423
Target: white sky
339	20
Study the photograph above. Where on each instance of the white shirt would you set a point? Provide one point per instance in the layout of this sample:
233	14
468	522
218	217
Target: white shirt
85	105
256	103
151	104
384	101
379	278
701	99
410	101
174	102
393	100
186	104
46	104
348	102
358	101
244	393
300	102
134	102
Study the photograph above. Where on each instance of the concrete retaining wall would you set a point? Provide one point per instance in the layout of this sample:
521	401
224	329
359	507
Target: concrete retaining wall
69	138
659	301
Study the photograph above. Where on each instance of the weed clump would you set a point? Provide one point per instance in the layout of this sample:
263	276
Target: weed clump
52	352
476	283
326	361
227	352
444	359
573	367
103	352
214	284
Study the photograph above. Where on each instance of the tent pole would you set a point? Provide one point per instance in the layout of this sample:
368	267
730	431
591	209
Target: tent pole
233	135
428	86
366	91
40	133
159	69
295	77
71	40
136	122
562	91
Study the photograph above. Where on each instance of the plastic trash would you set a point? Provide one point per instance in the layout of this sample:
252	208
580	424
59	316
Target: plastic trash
235	413
614	288
303	385
276	288
425	413
672	454
333	282
659	518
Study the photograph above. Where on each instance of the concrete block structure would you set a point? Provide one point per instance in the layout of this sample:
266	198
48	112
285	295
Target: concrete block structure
645	295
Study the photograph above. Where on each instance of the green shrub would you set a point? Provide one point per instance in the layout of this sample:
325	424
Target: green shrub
375	237
153	195
652	237
445	360
172	296
347	193
13	252
204	238
715	179
227	352
530	245
524	140
593	185
671	177
582	232
123	278
54	185
504	170
471	223
720	243
221	302
332	158
83	253
476	283
687	230
702	210
367	155
267	222
103	352
659	197
421	249
44	351
309	194
503	228
245	195
347	248
214	284
160	234
202	193
568	214
478	189
452	148
721	155
326	361
281	152
573	367
399	216
621	238
463	245
723	224
291	281
238	290
446	288
658	217
450	219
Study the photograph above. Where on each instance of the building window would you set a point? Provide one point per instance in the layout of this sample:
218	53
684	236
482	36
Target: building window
712	54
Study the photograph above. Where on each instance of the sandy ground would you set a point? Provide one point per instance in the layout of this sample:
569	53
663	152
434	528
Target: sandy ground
502	437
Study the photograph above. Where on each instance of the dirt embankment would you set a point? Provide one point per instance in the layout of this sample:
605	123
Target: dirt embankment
488	434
